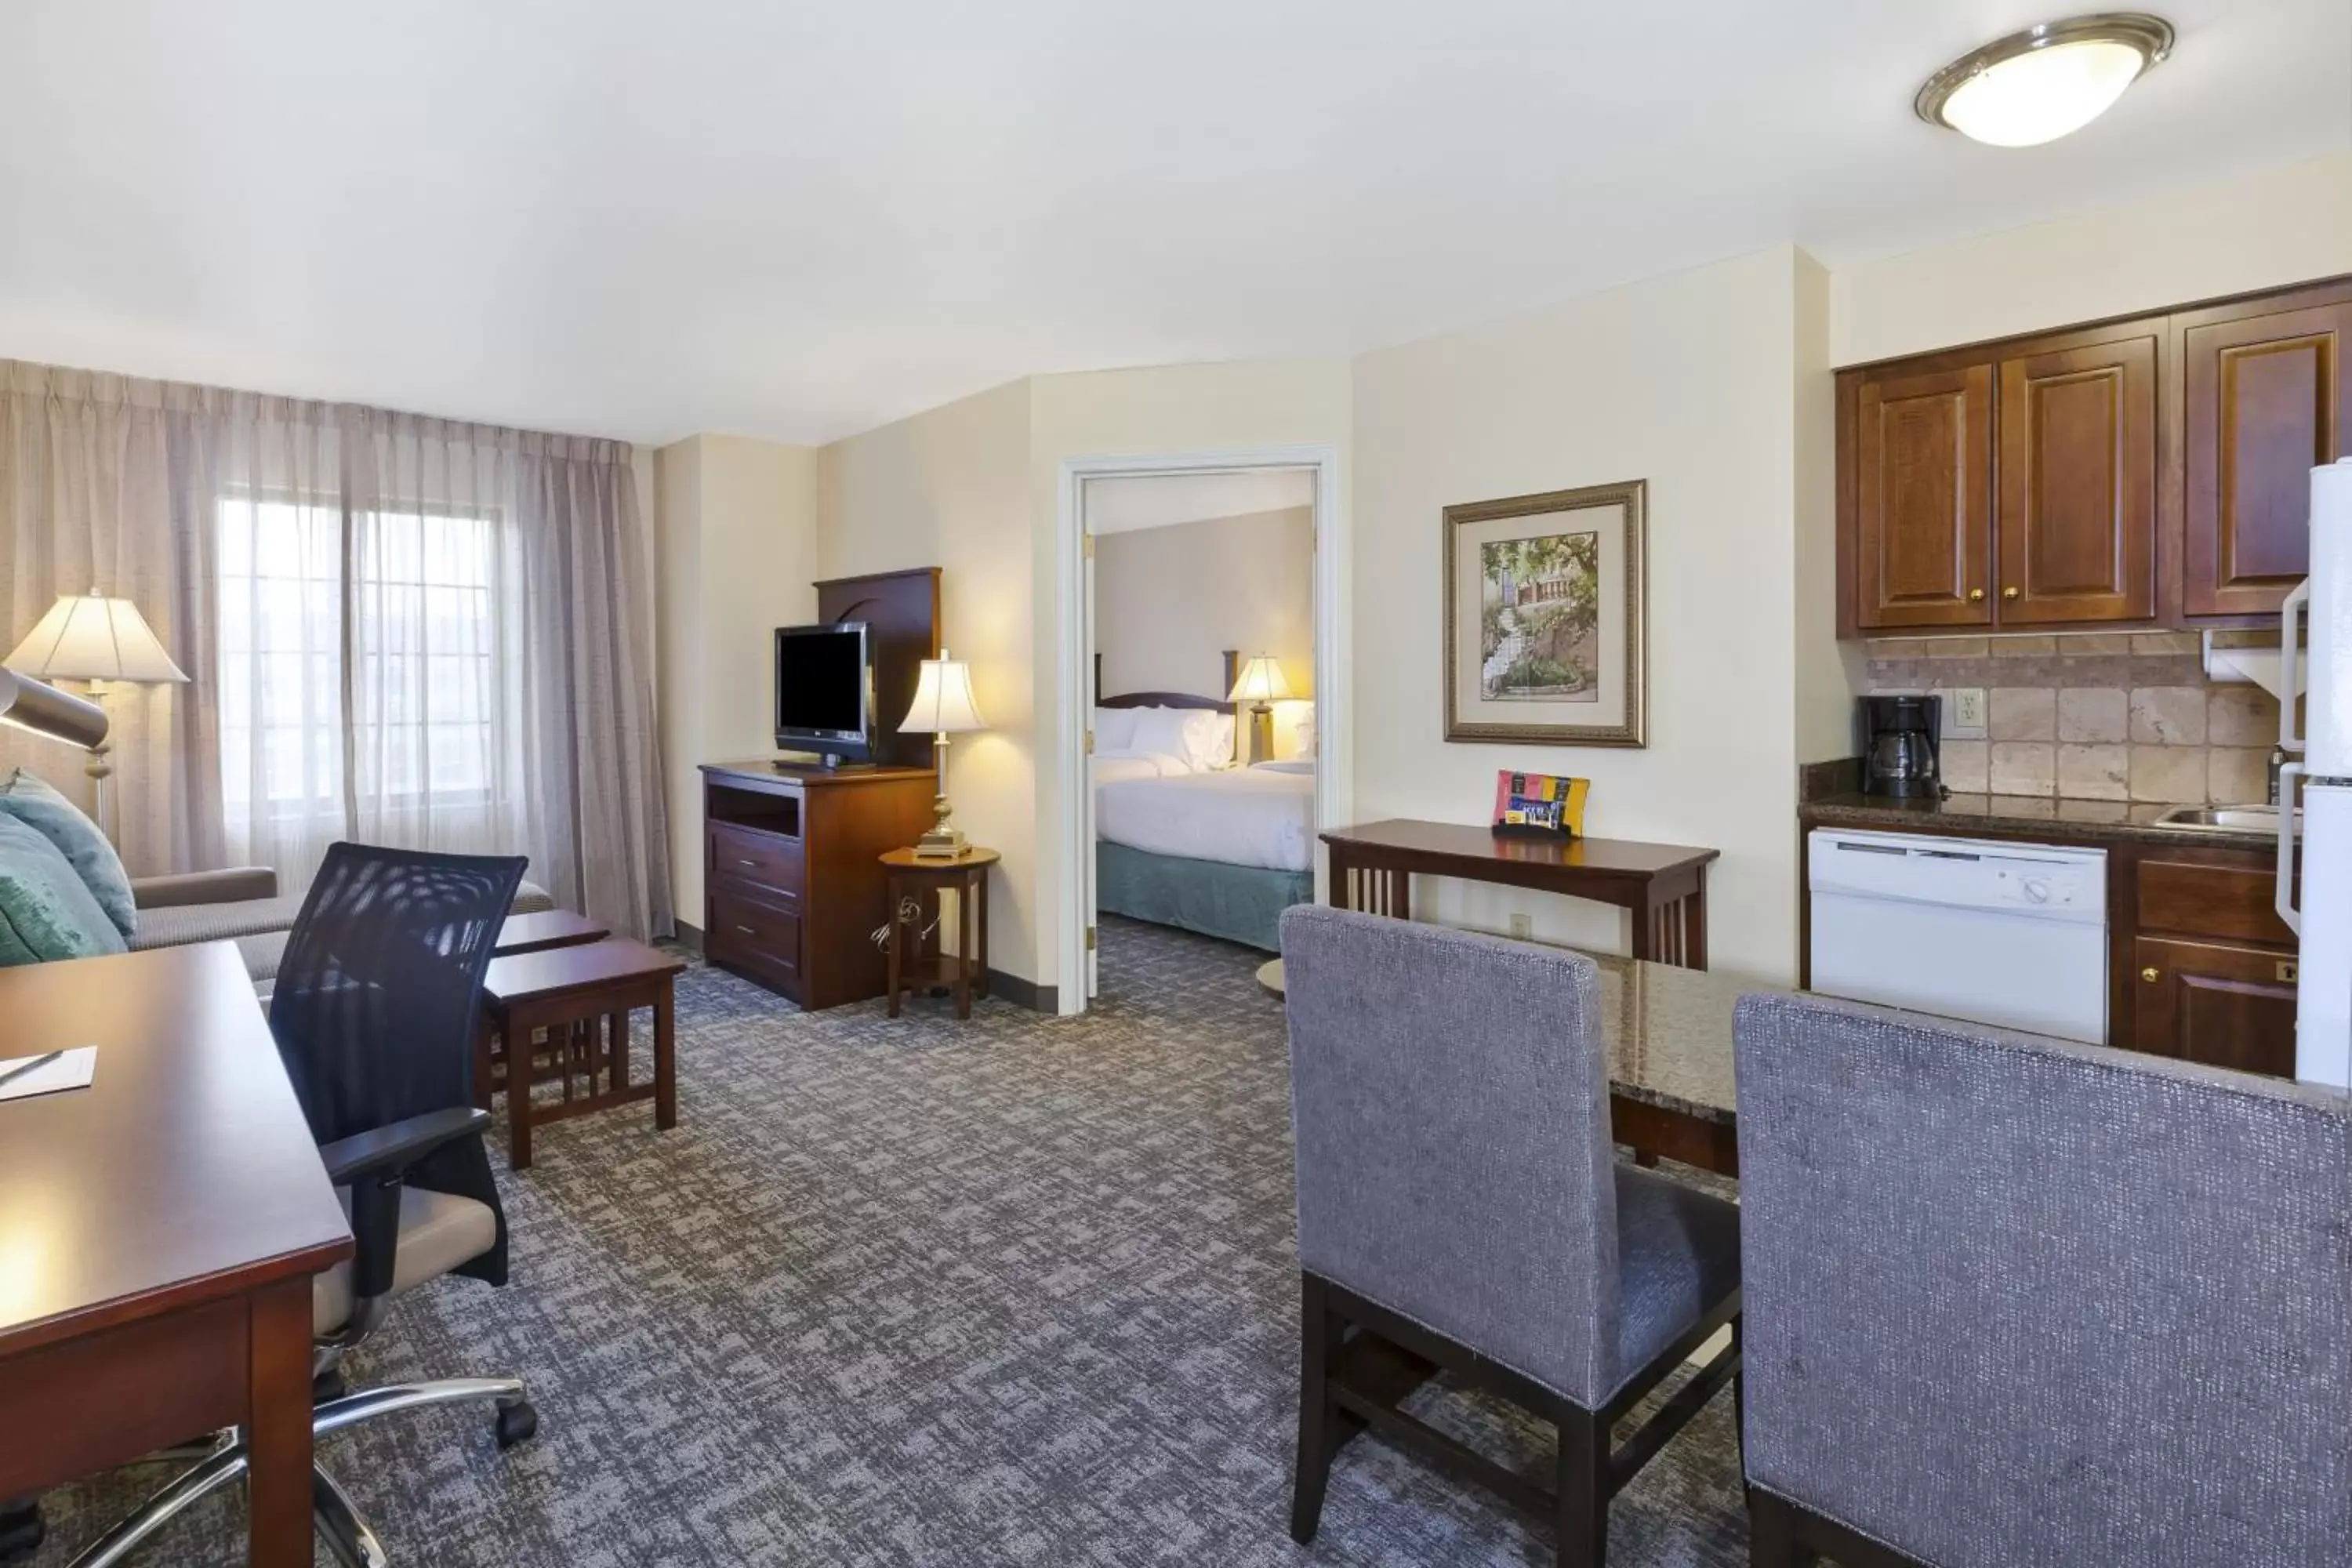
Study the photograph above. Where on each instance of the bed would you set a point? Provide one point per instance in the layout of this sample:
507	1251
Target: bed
1182	840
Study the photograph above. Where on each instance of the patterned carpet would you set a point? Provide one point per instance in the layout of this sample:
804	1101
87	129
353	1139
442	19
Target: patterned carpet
905	1291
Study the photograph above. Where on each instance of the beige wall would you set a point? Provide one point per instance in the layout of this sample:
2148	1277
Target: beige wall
1170	601
736	531
1828	672
2281	226
1689	382
949	487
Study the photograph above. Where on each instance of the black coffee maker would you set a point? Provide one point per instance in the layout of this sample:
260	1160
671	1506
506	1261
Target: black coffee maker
1900	740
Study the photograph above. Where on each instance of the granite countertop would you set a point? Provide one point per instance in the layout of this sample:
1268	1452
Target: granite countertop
1669	1034
2083	821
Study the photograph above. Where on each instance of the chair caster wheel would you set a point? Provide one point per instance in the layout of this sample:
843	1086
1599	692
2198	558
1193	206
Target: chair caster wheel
21	1531
328	1386
518	1423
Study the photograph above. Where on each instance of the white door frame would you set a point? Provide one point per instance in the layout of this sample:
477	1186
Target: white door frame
1334	772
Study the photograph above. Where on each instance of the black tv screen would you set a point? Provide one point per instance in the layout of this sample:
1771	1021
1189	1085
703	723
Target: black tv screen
821	684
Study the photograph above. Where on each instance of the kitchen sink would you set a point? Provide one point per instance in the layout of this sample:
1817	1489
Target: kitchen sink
2224	818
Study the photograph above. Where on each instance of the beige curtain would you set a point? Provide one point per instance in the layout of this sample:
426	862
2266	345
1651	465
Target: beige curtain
398	629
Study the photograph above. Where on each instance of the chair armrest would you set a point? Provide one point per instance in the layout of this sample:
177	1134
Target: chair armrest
372	1164
382	1152
234	885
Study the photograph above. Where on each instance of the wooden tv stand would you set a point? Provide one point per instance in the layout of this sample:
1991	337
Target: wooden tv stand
792	883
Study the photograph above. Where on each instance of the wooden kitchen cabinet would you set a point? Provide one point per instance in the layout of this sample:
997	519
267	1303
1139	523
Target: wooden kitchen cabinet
1923	452
2266	396
2076	518
2150	472
2224	1007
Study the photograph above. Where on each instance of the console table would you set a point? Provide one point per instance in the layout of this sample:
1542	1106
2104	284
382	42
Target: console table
1664	884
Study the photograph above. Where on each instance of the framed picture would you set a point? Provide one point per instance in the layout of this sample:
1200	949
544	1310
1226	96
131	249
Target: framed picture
1544	618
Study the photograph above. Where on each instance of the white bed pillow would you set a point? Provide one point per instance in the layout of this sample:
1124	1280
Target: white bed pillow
1202	736
1114	729
1161	729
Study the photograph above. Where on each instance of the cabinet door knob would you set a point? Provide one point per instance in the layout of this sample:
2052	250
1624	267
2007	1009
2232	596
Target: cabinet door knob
1974	595
2151	974
2008	592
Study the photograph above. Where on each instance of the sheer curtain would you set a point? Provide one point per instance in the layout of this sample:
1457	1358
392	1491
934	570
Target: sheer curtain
398	629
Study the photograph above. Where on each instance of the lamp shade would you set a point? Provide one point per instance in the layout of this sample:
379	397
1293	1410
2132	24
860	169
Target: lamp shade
943	703
89	637
32	705
1261	681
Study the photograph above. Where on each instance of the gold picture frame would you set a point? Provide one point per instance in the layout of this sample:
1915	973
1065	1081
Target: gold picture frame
1545	617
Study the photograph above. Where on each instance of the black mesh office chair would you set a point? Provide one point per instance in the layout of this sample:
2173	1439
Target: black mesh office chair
375	1011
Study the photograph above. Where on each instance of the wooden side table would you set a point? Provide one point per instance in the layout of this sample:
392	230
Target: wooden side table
573	993
917	964
547	929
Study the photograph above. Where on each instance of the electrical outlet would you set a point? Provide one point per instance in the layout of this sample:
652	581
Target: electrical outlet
1966	719
1522	928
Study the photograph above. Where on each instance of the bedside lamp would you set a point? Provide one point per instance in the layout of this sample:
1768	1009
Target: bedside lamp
1261	686
944	706
92	637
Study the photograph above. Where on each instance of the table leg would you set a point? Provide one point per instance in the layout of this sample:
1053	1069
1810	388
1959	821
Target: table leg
963	950
665	1058
898	934
277	1424
1695	922
1646	928
620	1049
980	923
519	1076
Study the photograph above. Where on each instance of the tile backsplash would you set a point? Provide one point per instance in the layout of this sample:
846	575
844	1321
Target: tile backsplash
2091	716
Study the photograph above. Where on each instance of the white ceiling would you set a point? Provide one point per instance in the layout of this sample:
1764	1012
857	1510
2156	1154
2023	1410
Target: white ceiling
649	217
1162	500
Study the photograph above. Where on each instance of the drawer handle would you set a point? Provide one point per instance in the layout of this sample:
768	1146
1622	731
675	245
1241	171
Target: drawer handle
753	863
747	931
2151	974
1974	595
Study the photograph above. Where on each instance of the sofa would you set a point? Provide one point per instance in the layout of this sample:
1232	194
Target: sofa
242	905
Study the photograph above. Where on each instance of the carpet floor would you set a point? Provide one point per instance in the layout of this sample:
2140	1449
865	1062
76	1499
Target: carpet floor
1020	1290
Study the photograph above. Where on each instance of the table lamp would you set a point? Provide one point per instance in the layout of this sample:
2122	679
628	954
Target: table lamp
89	637
1261	686
943	705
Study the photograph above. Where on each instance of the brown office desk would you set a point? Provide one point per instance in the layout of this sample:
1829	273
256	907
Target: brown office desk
545	931
1665	885
158	1232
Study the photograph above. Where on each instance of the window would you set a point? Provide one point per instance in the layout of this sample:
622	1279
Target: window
419	621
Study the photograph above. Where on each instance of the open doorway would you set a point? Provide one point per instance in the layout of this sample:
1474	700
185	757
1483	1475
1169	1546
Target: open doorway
1199	718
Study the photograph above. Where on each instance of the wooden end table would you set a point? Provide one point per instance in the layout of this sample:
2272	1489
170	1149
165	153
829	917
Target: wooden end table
913	884
582	997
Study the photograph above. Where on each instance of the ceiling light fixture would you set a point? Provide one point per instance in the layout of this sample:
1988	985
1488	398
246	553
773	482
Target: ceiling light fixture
2038	85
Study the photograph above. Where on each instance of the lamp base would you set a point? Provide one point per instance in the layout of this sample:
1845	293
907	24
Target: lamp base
941	843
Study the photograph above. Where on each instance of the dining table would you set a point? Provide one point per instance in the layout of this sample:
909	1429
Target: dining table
1667	1031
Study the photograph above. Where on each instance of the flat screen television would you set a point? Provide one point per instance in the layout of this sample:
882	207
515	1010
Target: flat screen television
824	692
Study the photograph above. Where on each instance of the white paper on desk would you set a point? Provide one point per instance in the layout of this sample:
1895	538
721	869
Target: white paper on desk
21	1080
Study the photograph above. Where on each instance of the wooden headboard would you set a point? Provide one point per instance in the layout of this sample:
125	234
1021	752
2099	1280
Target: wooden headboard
1171	698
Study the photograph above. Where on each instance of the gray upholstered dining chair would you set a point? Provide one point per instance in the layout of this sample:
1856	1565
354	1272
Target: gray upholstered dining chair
1461	1206
2016	1302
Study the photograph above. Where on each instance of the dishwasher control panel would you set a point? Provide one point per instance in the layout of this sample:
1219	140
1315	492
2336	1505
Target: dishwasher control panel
2052	882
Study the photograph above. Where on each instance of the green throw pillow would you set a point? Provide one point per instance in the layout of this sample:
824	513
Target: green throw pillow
46	910
24	797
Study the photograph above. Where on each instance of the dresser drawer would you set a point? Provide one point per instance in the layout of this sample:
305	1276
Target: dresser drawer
758	860
761	935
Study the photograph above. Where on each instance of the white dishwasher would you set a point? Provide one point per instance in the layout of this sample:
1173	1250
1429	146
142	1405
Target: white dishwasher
2014	934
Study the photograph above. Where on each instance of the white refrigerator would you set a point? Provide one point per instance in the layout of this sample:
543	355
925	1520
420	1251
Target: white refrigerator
2323	912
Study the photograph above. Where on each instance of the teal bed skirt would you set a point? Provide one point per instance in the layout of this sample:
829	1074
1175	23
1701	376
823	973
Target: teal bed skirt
1239	903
